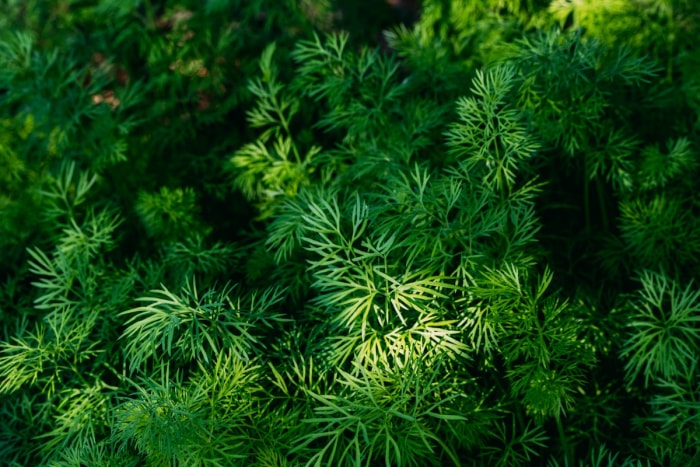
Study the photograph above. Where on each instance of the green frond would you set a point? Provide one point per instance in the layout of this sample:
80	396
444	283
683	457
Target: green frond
170	214
193	326
663	333
195	257
163	421
385	415
515	449
536	335
659	169
53	353
659	231
491	137
82	419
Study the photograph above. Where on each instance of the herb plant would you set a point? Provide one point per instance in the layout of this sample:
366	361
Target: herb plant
268	233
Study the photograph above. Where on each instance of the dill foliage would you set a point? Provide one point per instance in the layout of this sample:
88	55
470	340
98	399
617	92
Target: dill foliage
268	233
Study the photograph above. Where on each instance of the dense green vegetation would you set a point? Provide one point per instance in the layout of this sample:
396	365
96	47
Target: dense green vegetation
325	232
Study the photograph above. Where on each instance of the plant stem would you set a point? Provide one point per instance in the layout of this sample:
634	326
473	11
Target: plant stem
586	203
564	443
601	199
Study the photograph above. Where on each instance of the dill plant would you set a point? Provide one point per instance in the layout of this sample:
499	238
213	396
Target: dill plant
233	234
